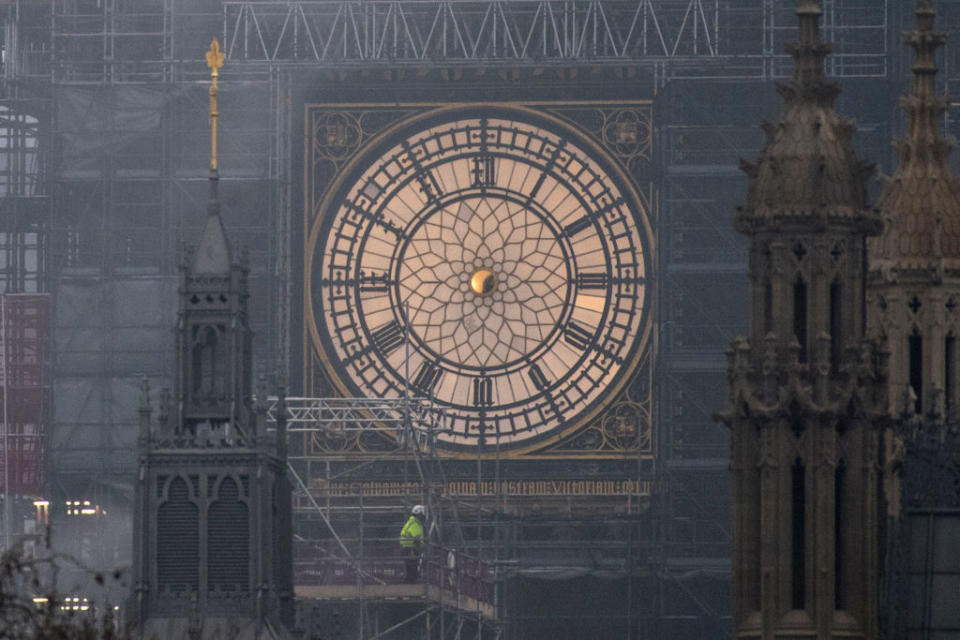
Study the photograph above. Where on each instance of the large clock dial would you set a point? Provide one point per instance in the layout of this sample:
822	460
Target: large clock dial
495	264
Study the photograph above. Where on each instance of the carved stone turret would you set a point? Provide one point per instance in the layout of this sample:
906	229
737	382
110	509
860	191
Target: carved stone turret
212	382
805	391
914	281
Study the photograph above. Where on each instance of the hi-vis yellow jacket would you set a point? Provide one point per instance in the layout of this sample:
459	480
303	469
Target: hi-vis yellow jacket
412	534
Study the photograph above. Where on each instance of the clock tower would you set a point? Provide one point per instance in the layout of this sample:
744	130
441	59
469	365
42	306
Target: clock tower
807	390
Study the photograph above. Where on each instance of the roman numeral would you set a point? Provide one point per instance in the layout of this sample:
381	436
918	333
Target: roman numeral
427	377
429	186
484	171
587	219
579	225
388	337
375	218
372	283
545	170
577	336
592	280
536	376
482	392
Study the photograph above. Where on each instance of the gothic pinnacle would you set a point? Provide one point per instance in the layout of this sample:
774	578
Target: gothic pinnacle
809	53
808	175
921	201
923	106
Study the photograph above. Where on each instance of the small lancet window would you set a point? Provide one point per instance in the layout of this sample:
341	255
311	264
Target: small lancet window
798	537
767	308
915	349
949	374
836	324
839	532
800	315
206	360
757	535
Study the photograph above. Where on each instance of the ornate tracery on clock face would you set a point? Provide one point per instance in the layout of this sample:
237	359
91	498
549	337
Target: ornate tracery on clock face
495	264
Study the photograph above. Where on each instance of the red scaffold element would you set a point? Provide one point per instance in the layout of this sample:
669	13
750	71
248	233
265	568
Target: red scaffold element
24	391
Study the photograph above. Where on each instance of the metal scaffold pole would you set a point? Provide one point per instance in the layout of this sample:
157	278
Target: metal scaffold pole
7	504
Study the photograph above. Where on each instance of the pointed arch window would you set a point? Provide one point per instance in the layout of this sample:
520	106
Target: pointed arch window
228	541
949	375
757	534
798	555
915	350
800	315
178	540
839	534
207	360
836	324
767	307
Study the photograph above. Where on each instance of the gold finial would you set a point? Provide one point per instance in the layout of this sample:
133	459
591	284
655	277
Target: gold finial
214	57
214	62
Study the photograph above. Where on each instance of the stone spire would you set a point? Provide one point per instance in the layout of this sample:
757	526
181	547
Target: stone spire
213	384
808	168
920	205
213	254
809	53
212	503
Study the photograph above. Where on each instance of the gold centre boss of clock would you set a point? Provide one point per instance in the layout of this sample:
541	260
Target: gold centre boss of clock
507	250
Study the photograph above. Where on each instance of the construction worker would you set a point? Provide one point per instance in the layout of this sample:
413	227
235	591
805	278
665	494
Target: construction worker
411	541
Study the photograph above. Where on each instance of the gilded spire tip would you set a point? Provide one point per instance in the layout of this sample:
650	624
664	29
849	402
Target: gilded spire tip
214	57
214	63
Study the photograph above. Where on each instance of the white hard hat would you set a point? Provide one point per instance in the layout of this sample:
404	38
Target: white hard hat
418	510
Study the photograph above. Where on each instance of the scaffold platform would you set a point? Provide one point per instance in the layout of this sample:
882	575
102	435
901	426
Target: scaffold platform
448	579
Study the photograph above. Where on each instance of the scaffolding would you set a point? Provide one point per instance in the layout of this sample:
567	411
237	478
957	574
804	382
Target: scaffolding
24	392
354	555
680	38
478	552
102	176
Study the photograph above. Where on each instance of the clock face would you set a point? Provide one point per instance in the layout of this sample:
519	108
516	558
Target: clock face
494	264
